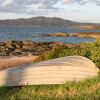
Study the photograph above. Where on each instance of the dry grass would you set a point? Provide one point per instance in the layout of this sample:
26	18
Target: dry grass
87	35
15	61
58	34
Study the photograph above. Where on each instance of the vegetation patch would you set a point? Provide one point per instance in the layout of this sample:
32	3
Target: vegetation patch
57	34
87	35
88	50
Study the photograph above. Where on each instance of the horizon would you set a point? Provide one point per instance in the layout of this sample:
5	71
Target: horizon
84	11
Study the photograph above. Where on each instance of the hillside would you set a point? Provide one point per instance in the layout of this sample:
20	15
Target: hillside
39	21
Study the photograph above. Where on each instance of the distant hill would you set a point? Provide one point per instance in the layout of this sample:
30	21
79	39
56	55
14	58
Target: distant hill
40	21
37	21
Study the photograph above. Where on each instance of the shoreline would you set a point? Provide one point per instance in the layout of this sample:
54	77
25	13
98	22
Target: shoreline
16	53
26	47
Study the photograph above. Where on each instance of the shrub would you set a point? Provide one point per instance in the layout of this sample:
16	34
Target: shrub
89	50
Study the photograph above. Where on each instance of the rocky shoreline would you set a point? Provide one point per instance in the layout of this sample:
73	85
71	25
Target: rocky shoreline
28	48
17	53
24	48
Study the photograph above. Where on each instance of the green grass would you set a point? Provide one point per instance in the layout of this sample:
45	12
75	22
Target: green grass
89	50
84	90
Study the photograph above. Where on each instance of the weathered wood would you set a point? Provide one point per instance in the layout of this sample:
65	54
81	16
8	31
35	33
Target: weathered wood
56	71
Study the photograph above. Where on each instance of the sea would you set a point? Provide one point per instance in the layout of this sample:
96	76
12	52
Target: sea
35	34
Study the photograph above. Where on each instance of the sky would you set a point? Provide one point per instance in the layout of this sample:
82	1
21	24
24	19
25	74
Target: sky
75	10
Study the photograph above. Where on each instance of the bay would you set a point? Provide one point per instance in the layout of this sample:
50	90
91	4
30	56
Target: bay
34	34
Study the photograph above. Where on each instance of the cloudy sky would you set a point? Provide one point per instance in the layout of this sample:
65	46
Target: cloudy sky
77	10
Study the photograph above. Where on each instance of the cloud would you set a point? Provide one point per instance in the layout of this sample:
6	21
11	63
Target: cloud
82	2
38	6
96	1
27	6
6	3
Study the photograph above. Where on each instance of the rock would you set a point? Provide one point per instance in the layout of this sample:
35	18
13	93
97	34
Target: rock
56	71
27	42
15	47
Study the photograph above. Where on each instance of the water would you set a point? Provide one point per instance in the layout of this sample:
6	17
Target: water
33	33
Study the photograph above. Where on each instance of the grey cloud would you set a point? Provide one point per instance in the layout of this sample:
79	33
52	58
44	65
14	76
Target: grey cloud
1	1
82	2
21	6
96	1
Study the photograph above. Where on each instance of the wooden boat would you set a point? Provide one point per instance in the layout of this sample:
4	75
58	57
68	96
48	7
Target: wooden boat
56	71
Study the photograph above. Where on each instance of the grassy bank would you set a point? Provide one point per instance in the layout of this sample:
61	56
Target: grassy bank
84	90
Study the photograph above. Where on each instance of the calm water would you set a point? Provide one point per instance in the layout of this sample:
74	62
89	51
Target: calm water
33	33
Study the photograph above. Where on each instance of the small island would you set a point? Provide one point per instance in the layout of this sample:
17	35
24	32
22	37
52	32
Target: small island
87	35
95	35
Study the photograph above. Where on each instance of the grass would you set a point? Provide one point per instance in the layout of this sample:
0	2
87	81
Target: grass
84	90
88	50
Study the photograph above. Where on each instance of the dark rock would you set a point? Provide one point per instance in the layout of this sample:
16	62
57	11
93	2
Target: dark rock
26	47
